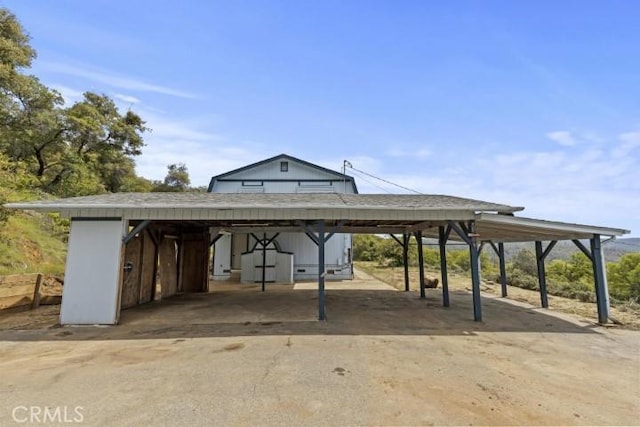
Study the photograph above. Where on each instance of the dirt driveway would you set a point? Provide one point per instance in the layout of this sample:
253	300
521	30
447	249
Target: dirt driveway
237	356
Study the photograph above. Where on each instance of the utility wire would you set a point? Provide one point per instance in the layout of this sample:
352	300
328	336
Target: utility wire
383	180
374	184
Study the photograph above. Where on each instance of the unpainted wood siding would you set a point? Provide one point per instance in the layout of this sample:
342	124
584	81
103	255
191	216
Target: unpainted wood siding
131	279
168	267
195	260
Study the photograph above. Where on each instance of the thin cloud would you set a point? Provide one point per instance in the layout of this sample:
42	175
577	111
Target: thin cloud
70	95
113	79
399	152
592	186
628	142
126	98
563	138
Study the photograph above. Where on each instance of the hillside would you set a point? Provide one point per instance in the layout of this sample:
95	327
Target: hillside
32	243
613	249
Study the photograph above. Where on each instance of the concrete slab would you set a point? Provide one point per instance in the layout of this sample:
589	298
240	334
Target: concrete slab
238	356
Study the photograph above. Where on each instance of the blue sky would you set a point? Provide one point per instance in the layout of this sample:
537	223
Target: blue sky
534	104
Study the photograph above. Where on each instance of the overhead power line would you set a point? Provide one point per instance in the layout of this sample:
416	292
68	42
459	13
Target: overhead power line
349	165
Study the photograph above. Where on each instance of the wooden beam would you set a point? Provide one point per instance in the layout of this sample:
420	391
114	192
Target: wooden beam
36	292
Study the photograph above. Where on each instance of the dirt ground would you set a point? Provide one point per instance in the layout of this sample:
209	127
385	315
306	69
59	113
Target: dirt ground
628	317
237	356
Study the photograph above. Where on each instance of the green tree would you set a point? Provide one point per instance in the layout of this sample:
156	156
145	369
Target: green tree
525	261
579	269
624	277
16	53
89	141
366	247
15	184
177	179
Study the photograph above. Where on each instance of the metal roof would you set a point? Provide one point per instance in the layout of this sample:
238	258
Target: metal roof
351	213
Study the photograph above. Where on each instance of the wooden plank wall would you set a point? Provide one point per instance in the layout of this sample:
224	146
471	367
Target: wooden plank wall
131	280
168	267
149	268
195	262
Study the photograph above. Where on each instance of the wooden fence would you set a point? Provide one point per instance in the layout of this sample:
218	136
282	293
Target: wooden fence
20	290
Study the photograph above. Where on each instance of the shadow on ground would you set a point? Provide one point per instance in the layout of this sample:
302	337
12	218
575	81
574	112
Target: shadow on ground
246	311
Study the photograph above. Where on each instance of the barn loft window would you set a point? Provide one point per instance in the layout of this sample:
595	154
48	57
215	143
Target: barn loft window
284	166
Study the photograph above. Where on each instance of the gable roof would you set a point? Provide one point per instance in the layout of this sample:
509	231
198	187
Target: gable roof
338	175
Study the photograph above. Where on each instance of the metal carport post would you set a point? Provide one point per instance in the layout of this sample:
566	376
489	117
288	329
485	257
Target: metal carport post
468	235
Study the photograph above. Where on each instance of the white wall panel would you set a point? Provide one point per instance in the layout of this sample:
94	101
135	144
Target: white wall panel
92	276
222	258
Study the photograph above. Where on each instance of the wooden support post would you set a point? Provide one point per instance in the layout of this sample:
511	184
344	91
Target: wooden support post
180	262
418	236
36	292
405	259
542	280
442	241
503	269
600	279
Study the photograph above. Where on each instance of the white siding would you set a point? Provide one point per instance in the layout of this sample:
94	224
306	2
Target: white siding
271	170
299	178
305	259
222	258
298	186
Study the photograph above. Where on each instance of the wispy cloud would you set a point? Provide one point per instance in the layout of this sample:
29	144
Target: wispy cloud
126	98
563	138
592	186
400	152
192	141
112	79
628	142
70	95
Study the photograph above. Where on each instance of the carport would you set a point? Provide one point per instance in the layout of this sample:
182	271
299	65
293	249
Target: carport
119	243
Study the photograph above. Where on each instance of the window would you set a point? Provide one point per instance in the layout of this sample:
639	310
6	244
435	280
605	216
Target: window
284	166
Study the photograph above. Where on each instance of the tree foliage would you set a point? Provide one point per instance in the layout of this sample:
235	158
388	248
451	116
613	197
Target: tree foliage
176	180
84	148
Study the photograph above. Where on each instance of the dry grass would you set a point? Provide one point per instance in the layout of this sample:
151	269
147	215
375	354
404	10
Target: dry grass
628	315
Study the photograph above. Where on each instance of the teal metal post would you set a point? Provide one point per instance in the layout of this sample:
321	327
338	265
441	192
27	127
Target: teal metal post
418	235
475	273
600	279
321	272
503	269
542	279
442	240
405	259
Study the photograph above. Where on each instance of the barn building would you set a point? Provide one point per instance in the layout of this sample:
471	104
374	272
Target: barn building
289	256
121	244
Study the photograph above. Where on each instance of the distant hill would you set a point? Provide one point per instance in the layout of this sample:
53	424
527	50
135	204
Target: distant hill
613	249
